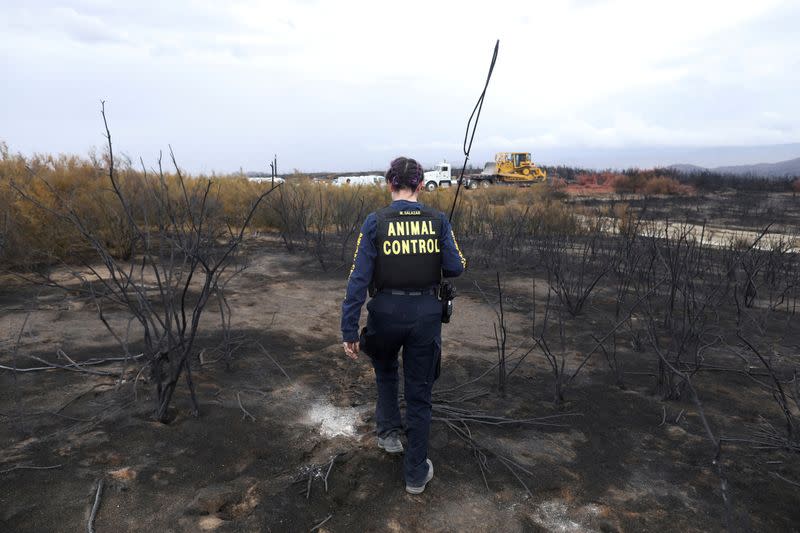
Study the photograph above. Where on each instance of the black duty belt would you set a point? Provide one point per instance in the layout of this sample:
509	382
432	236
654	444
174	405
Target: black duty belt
420	292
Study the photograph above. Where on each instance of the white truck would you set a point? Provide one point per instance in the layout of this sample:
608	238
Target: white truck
440	176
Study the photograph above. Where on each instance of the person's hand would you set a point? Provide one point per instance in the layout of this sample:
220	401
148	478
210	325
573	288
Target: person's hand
351	349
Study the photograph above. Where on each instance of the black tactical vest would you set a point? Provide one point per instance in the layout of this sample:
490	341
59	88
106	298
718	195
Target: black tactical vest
409	250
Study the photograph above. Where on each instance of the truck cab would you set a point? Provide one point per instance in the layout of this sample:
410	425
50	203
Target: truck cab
440	176
520	159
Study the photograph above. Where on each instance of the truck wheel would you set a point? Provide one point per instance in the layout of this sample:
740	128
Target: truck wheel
473	185
431	186
485	184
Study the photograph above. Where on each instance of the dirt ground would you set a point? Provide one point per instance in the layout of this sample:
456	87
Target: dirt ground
277	453
730	210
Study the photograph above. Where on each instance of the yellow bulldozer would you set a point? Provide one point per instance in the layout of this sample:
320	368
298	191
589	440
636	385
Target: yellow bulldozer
510	168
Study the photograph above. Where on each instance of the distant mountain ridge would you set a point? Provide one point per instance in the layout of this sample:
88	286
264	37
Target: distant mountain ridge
781	169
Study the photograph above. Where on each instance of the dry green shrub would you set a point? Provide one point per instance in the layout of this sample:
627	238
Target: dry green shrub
321	218
30	234
32	188
236	193
664	185
494	224
499	196
648	183
500	224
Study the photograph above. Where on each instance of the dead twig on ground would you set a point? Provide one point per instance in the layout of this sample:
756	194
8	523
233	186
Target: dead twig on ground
17	395
309	473
481	452
81	395
49	413
273	360
767	437
512	466
321	523
62	353
71	367
778	393
245	412
465	434
88	362
470	382
448	412
96	506
787	480
136	380
328	473
29	467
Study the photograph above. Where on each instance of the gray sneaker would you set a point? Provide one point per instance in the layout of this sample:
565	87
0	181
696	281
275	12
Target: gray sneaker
391	443
419	490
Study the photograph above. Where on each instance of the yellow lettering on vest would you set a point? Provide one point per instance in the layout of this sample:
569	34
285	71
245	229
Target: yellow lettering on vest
414	246
355	254
422	248
387	248
400	229
424	229
415	227
431	245
391	232
396	247
437	250
430	228
406	248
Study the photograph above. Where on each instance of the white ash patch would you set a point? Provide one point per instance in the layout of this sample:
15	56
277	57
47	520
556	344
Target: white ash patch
333	421
555	515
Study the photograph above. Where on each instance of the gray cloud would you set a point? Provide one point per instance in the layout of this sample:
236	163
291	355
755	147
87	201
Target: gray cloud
87	29
330	86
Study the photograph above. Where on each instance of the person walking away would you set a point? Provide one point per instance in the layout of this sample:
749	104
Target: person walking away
402	253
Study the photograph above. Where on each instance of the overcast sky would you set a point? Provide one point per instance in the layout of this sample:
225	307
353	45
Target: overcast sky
347	85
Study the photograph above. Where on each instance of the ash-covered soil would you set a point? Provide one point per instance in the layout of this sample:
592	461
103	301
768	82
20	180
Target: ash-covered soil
277	453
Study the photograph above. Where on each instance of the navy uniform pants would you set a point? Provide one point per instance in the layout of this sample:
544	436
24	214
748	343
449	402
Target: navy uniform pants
414	324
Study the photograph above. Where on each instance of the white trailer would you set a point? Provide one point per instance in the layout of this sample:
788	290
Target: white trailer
266	179
358	180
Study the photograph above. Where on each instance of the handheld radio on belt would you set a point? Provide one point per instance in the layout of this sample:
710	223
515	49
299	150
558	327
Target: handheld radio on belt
447	291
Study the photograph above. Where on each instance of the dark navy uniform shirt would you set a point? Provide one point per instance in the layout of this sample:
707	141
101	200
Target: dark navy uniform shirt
453	264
